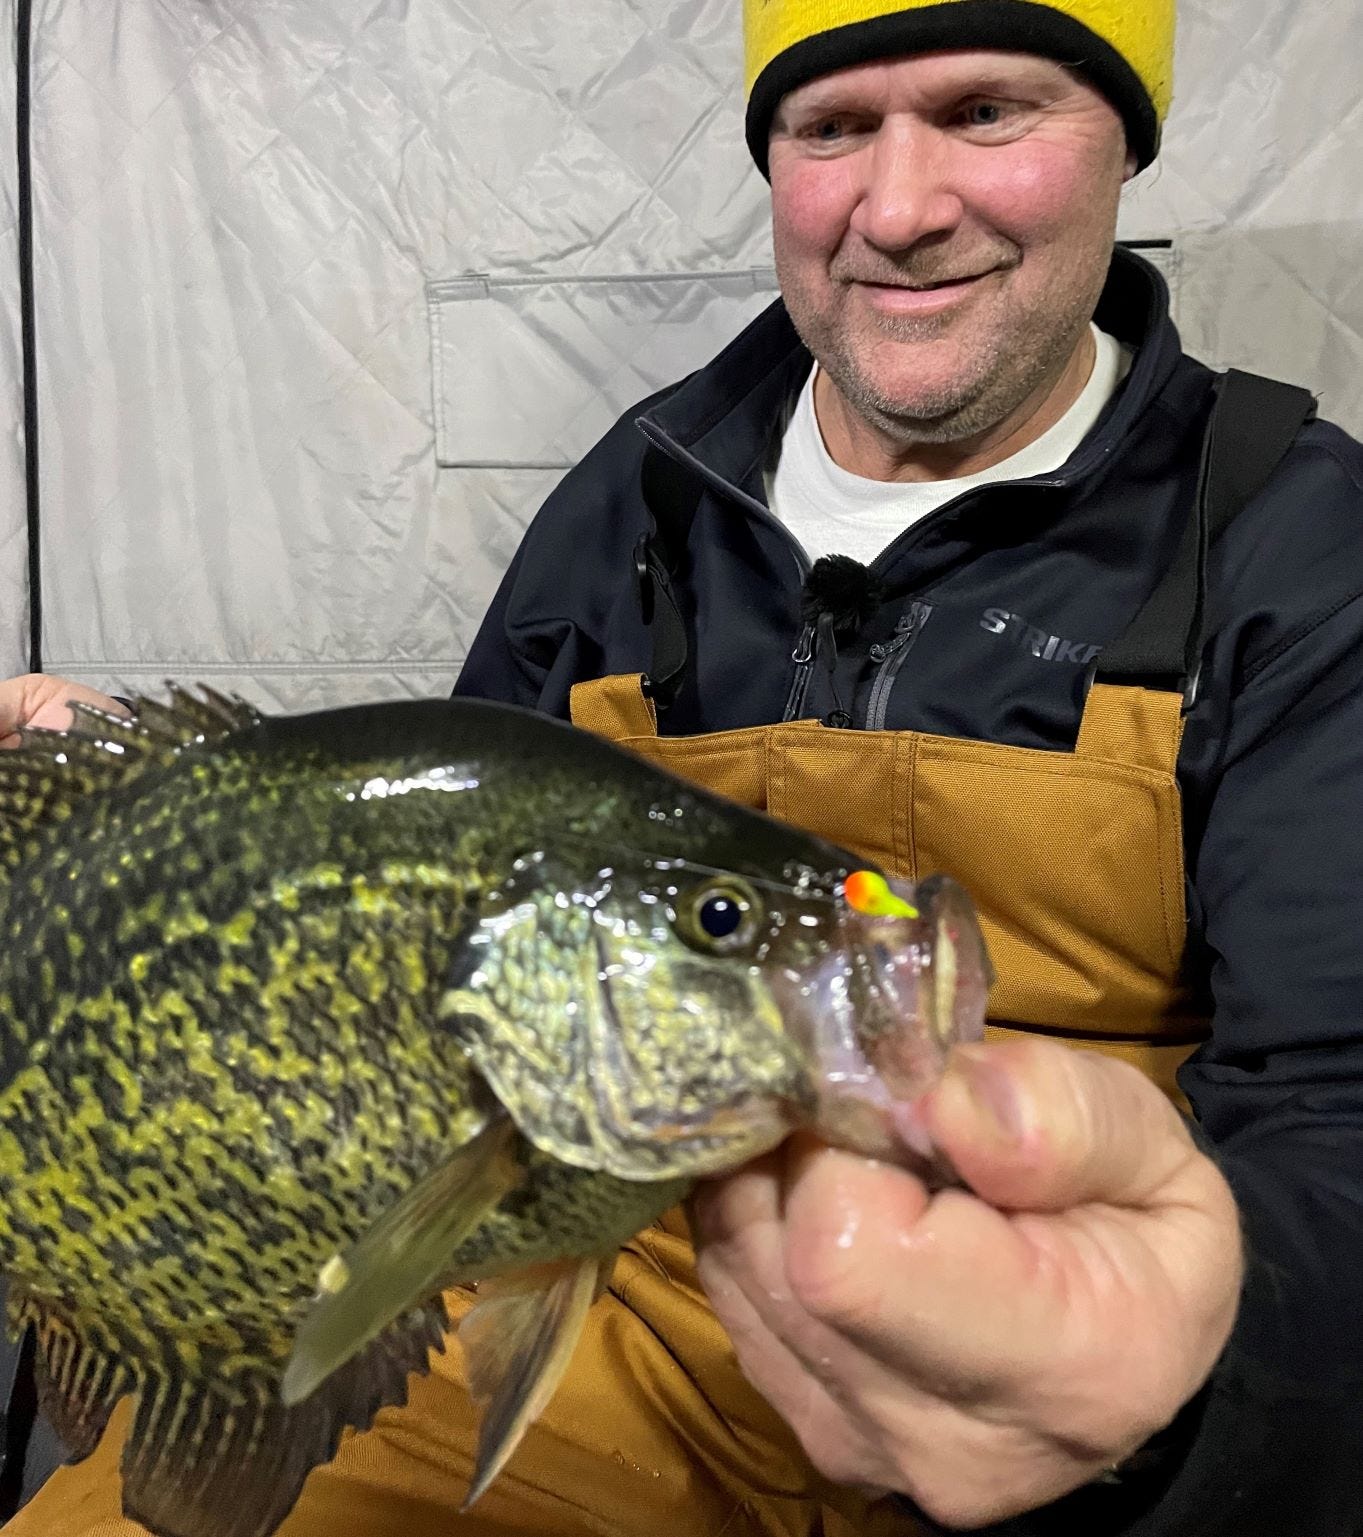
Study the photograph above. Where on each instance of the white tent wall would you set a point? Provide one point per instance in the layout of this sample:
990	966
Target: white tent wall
287	442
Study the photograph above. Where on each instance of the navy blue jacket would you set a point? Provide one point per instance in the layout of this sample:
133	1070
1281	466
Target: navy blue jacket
1022	584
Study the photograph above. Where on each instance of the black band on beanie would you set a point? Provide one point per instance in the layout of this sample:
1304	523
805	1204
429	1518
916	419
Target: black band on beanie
1017	26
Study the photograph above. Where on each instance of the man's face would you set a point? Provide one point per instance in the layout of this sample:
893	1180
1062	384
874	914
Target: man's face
943	226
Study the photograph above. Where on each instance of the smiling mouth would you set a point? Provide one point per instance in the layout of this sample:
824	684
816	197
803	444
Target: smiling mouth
927	288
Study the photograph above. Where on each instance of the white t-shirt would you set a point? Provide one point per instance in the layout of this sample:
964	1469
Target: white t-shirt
830	511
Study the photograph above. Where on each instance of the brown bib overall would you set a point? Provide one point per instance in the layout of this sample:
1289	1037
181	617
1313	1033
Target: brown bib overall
1075	860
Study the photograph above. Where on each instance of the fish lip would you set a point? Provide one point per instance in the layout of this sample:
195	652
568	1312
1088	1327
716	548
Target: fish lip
847	1103
879	1011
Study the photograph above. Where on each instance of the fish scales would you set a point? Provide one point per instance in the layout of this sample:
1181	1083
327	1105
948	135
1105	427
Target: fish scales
170	877
302	1020
326	978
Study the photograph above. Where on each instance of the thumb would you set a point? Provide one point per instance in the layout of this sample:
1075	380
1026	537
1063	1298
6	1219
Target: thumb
15	695
41	700
1031	1125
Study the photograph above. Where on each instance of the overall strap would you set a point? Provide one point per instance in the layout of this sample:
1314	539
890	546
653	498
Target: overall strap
1254	421
616	707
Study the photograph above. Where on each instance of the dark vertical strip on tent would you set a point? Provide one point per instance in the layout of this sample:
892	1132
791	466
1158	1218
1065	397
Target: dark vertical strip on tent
18	1407
23	98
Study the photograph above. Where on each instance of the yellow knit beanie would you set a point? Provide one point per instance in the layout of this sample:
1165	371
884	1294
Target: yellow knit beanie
1123	47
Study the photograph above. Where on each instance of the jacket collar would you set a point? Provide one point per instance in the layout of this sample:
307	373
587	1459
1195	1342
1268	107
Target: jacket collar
719	421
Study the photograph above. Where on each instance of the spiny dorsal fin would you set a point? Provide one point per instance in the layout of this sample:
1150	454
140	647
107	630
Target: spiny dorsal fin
219	1456
44	779
188	720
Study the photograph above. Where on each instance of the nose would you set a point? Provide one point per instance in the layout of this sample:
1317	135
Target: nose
907	193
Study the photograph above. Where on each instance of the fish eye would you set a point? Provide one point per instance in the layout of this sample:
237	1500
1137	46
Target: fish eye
721	916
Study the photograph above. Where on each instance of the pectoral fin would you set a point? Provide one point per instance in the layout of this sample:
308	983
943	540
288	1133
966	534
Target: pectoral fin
403	1258
517	1342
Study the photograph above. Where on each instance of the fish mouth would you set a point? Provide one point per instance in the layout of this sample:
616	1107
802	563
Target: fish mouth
928	978
879	1012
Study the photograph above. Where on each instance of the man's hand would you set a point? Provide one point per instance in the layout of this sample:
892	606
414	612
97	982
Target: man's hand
983	1351
39	700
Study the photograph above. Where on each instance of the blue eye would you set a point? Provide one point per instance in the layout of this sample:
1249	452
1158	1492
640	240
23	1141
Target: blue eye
721	916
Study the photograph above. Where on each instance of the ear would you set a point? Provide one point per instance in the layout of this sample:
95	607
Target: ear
1129	170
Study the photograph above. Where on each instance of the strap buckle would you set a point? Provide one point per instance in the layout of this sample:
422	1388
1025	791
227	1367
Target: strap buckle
1190	688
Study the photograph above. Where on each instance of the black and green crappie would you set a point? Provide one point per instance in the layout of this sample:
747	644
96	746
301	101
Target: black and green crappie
303	1019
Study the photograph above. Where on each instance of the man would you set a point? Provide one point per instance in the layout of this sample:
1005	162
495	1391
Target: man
1103	664
1018	478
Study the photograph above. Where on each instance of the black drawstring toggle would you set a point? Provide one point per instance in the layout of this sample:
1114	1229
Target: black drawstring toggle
843	590
840	595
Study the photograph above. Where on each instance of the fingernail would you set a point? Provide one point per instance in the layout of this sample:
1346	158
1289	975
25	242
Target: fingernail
911	1123
993	1092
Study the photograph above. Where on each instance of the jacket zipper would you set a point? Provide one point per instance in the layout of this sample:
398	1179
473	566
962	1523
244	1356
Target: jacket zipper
891	655
803	657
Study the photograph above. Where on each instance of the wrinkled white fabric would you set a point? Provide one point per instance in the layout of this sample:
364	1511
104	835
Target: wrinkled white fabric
278	452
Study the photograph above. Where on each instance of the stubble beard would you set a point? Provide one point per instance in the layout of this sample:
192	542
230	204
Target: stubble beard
1014	357
995	383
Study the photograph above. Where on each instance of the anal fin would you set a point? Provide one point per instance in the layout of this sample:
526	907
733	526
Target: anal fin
517	1342
404	1258
215	1453
80	1375
229	1459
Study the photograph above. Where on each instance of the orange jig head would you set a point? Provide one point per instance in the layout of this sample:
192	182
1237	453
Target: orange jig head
869	893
